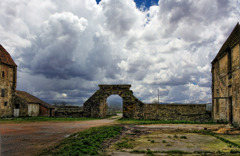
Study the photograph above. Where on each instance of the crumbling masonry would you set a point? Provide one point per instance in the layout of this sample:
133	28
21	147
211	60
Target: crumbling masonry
96	106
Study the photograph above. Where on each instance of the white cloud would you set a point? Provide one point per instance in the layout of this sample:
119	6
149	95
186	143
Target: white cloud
69	47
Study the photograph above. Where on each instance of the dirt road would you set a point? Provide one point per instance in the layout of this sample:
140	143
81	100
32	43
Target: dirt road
26	139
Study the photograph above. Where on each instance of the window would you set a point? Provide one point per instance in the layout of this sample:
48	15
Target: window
3	92
217	106
217	90
5	103
229	63
3	74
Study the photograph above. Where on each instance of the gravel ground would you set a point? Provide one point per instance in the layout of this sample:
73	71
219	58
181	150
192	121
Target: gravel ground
26	139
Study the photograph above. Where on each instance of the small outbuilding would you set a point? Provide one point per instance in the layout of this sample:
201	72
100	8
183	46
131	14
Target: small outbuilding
35	106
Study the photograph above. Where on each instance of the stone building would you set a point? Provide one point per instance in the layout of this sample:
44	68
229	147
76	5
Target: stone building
35	106
226	80
8	81
13	102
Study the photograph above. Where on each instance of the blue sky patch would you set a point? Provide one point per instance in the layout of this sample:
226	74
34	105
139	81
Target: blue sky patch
145	4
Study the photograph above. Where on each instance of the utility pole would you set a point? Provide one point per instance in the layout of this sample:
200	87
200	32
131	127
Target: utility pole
158	96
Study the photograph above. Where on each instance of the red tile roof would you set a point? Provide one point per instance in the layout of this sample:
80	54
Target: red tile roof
32	99
5	57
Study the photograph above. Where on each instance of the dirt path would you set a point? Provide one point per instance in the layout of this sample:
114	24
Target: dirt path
26	139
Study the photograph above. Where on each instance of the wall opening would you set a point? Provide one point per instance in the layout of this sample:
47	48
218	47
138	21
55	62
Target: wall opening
114	104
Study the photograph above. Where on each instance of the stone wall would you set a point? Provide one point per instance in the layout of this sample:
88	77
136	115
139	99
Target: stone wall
226	80
133	108
44	111
20	104
96	105
7	88
69	111
187	112
226	87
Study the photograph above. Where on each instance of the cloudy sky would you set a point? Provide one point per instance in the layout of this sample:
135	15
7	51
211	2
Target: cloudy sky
64	49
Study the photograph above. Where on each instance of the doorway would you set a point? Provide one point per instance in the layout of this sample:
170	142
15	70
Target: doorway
114	105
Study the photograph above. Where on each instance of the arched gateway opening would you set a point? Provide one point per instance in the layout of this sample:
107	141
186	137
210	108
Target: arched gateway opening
114	105
96	105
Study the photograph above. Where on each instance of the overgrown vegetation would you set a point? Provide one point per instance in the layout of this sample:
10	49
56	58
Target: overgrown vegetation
37	119
142	122
208	132
179	152
87	142
148	151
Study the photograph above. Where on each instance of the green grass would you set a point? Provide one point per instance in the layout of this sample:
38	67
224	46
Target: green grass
148	151
142	122
87	142
123	144
183	137
207	132
37	119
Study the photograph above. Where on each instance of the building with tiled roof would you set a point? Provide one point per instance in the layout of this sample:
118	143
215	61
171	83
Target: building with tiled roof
8	81
36	107
5	57
13	102
226	80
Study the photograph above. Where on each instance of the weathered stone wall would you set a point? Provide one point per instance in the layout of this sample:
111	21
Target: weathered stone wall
234	85
33	109
96	105
20	104
7	88
187	112
69	111
43	111
226	87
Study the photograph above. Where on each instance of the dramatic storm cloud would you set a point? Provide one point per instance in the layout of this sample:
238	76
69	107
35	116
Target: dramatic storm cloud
64	49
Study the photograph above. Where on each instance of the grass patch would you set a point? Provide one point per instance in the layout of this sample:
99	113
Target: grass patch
39	119
148	151
207	132
87	142
183	137
235	151
124	144
142	122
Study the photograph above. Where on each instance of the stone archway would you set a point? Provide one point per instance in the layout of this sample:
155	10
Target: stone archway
96	105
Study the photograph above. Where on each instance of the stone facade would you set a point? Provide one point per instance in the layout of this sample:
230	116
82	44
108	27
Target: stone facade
186	112
226	80
8	74
96	105
20	107
36	107
17	103
69	111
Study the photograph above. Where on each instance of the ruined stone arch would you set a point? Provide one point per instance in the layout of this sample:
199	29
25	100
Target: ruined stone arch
96	105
